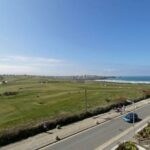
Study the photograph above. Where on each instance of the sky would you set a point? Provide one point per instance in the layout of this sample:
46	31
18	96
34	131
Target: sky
75	37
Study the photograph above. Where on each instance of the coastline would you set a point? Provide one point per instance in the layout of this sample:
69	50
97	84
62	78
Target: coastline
124	81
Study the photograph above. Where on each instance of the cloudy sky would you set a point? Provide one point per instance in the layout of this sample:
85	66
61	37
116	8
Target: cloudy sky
73	37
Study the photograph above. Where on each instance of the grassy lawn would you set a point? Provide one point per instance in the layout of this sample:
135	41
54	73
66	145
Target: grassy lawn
42	98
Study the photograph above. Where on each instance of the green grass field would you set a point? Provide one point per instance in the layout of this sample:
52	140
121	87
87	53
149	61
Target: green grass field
43	98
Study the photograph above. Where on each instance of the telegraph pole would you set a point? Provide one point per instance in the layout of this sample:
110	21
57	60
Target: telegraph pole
85	100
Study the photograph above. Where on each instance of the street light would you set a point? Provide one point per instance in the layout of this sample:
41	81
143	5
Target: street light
129	101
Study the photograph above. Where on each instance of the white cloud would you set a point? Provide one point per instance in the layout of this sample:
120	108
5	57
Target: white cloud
39	66
30	60
30	65
12	69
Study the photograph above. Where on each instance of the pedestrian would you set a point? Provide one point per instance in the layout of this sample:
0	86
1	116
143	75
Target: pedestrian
124	108
45	127
121	110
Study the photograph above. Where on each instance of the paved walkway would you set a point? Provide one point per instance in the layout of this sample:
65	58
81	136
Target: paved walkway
41	140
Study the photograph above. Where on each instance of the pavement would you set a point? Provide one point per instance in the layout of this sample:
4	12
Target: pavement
87	134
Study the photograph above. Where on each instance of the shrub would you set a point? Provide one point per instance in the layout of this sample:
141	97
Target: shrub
145	133
127	146
10	93
107	100
146	93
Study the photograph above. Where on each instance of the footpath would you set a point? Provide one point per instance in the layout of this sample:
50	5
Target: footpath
52	136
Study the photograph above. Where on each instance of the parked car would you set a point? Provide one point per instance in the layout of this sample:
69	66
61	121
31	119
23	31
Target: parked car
131	117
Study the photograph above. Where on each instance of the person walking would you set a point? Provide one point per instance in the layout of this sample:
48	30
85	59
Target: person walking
123	108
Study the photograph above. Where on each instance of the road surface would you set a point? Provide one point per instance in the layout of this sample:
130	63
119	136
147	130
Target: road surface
93	138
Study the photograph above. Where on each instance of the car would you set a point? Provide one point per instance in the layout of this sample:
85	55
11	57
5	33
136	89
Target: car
131	117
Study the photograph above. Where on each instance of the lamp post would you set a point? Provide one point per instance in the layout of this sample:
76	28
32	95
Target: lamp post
133	115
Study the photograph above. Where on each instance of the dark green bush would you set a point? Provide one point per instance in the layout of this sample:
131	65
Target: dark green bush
127	146
145	133
9	93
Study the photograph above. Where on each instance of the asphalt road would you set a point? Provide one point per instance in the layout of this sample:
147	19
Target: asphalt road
93	138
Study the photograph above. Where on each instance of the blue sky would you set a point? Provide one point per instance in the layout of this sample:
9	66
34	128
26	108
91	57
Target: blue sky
75	37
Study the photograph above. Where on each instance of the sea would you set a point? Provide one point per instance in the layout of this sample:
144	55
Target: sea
129	79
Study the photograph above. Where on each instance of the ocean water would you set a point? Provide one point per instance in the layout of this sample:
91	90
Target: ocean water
130	79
